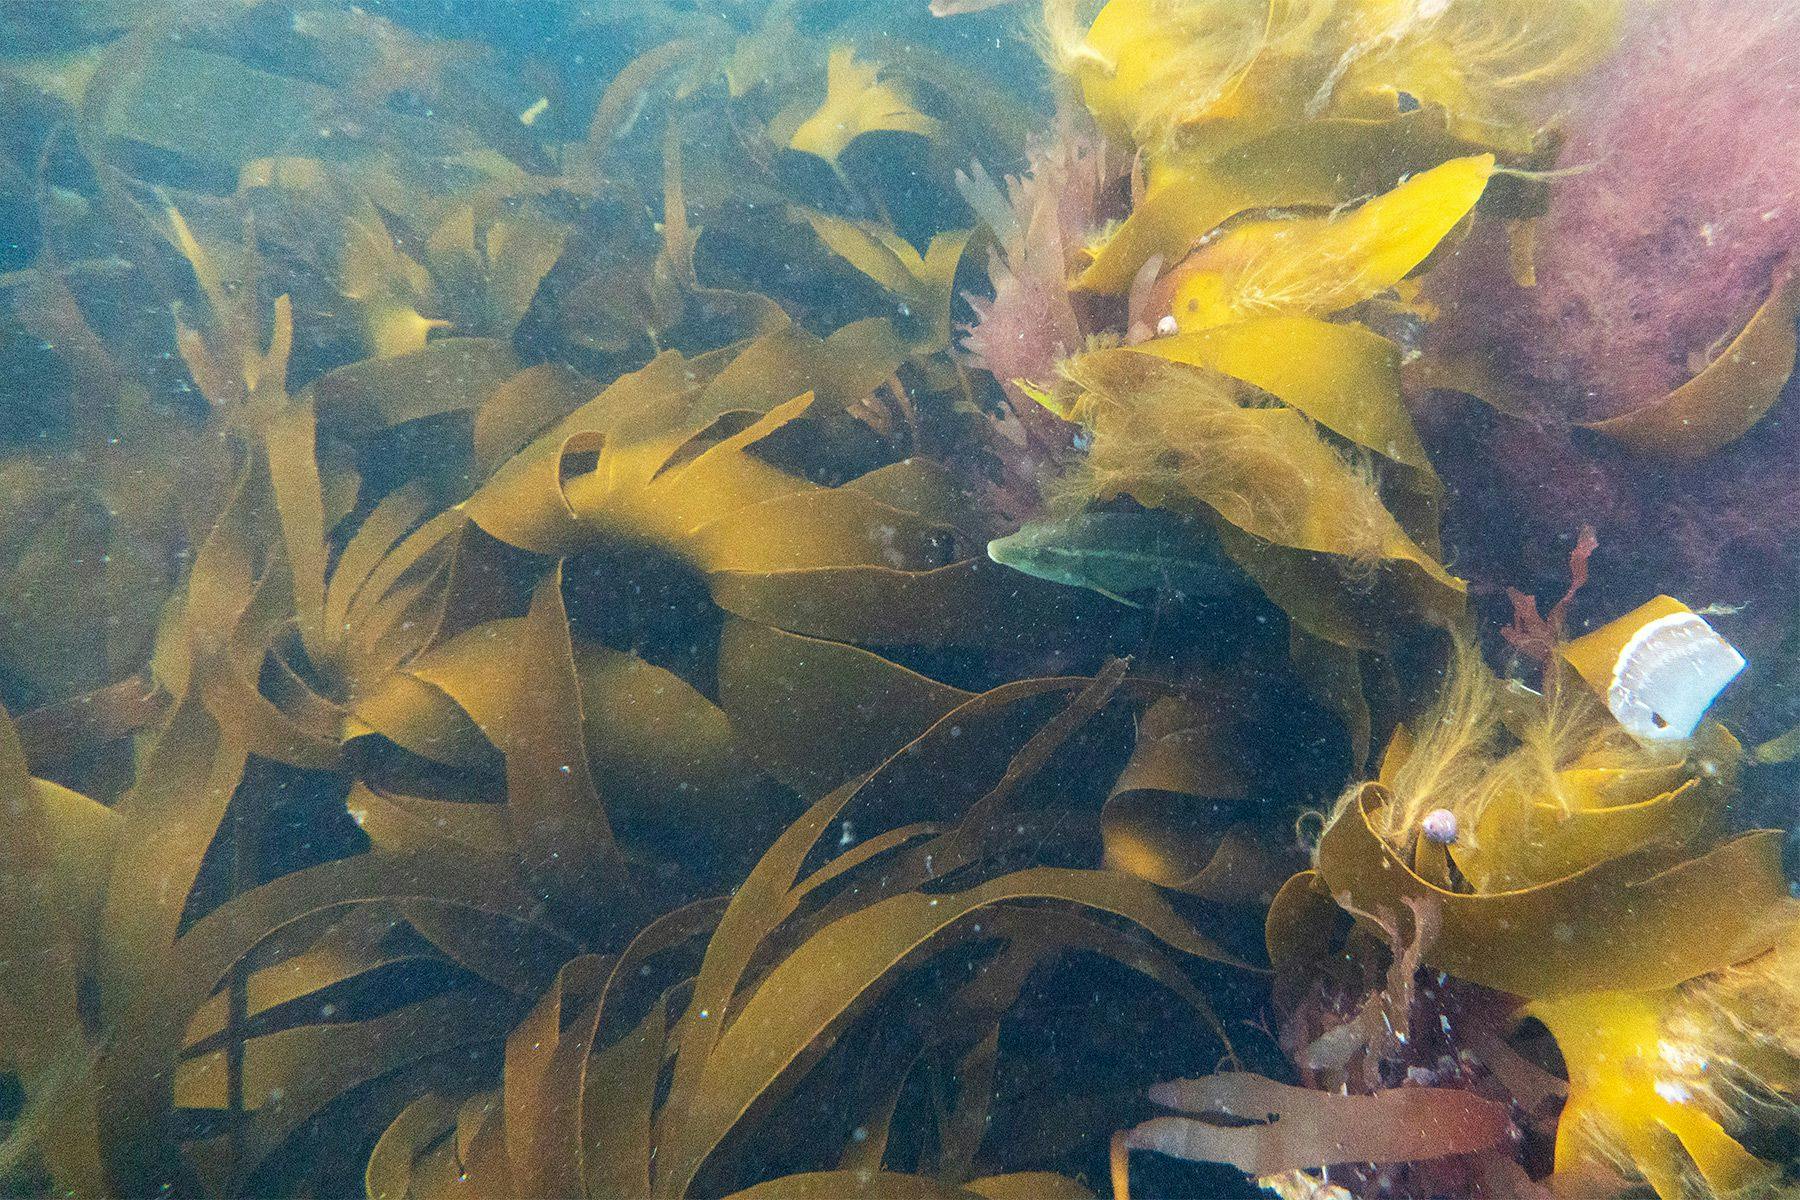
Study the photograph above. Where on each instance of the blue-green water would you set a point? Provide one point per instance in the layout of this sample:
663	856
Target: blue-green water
799	598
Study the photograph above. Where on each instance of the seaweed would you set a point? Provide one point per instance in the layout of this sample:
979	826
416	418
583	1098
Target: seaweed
555	645
857	101
791	965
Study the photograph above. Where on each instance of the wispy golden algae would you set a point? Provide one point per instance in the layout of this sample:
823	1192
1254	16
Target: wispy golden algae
1148	70
1491	64
1161	75
1292	510
1322	265
1634	1104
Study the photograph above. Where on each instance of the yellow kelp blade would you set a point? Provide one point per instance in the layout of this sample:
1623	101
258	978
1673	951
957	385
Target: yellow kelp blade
786	687
1163	822
556	810
858	101
1323	264
1341	375
1146	67
875	250
1623	923
1625	1091
494	269
1320	163
54	863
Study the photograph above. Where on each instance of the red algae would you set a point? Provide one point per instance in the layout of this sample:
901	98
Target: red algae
1040	225
1725	530
1049	215
1685	197
1680	202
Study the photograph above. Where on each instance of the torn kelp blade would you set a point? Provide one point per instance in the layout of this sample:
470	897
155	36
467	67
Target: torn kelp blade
1668	675
1659	668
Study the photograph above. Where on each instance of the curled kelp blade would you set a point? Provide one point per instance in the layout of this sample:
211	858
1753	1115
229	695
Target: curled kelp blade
1177	816
1322	163
1727	398
1624	922
1122	555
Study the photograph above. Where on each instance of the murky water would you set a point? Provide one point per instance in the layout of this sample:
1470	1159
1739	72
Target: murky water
803	599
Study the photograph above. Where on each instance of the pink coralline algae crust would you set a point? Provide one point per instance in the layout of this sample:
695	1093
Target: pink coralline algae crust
1685	197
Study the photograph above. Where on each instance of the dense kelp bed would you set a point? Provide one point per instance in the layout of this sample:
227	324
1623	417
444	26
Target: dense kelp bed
807	599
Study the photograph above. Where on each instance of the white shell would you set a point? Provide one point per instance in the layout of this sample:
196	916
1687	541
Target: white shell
1668	675
1167	326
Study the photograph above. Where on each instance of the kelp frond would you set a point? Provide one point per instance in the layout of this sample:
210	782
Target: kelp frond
1487	742
1324	264
858	100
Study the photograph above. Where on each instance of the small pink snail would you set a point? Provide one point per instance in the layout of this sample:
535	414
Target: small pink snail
1439	825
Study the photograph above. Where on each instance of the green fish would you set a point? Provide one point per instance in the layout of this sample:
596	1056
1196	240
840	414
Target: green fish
1119	554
